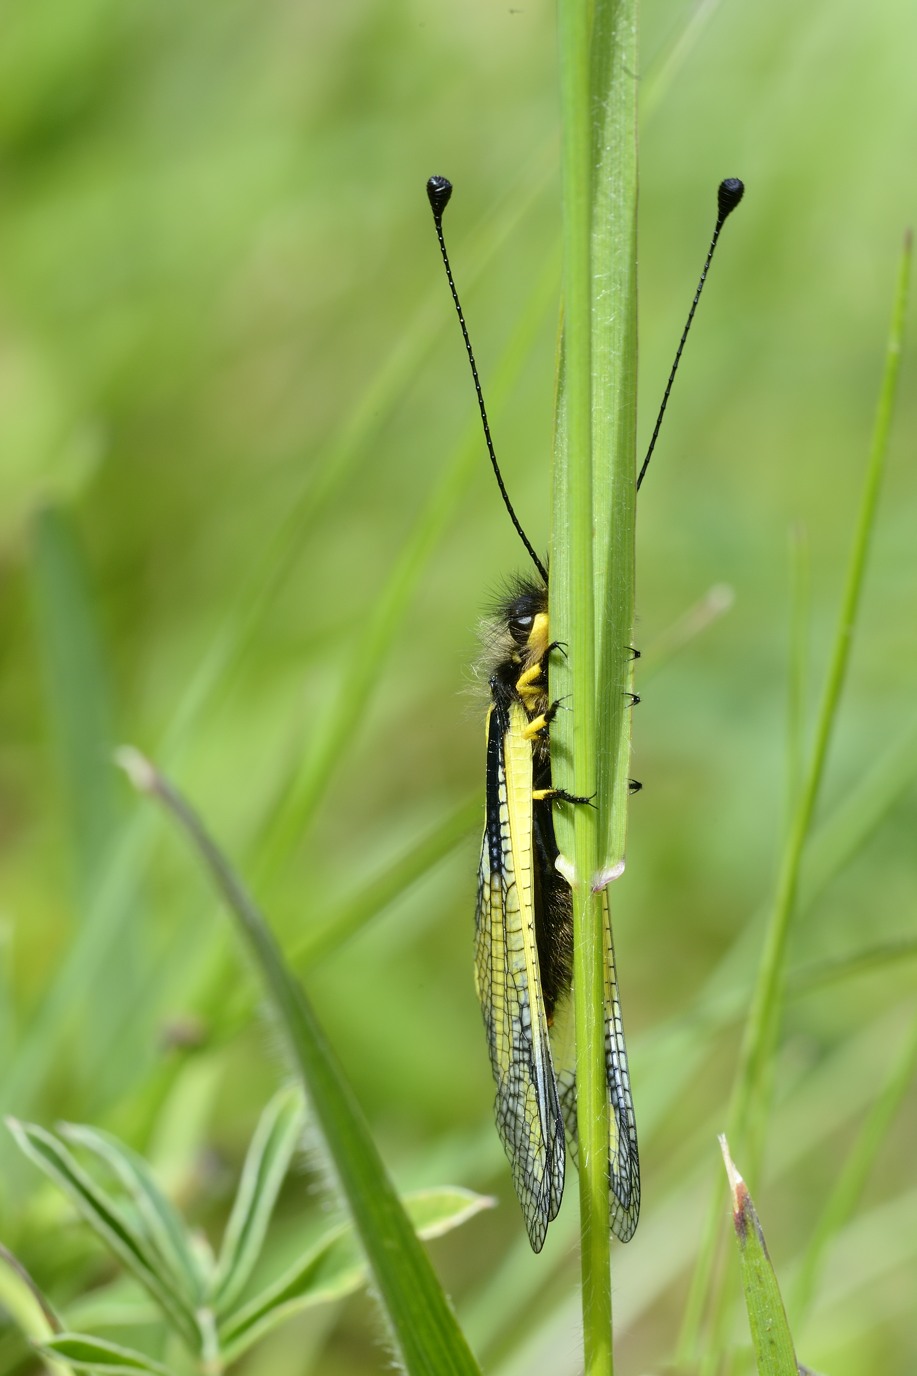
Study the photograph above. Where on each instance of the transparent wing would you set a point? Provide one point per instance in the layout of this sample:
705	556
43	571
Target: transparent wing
509	987
623	1159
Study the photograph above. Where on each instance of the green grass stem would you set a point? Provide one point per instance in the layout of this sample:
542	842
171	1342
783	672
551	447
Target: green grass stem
764	1014
592	556
575	576
748	1108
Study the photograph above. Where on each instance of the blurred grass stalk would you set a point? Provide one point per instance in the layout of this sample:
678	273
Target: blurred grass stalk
592	554
422	1323
751	1097
74	655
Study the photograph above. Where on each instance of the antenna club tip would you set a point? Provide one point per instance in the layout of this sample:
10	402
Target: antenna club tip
729	192
439	189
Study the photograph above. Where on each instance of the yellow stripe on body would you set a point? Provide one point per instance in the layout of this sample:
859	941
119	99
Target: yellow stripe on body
540	1101
509	985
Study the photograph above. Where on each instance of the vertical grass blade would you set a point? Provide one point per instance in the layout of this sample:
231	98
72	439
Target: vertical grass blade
592	555
614	406
747	1114
423	1325
764	1015
770	1332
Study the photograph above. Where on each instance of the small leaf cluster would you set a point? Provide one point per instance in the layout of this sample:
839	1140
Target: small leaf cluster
203	1299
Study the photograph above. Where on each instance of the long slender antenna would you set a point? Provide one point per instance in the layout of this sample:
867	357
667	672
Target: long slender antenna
439	189
728	195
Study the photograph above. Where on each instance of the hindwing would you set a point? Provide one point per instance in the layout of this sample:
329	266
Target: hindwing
508	980
623	1159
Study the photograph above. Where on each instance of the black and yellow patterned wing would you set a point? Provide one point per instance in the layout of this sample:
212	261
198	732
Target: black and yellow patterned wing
623	1160
527	1107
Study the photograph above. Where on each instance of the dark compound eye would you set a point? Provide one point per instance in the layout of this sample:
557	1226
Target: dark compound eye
520	627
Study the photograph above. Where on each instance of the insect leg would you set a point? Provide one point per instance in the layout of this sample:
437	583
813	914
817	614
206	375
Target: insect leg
559	795
538	725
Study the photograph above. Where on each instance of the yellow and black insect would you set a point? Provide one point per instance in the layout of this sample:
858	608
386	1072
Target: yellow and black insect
524	920
524	939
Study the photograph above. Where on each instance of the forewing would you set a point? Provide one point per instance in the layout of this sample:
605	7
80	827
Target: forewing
509	987
623	1160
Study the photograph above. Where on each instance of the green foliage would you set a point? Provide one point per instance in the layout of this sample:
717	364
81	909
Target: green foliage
85	1353
231	389
206	1301
135	1247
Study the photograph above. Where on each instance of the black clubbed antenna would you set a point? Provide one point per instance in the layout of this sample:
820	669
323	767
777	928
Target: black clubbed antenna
439	189
728	195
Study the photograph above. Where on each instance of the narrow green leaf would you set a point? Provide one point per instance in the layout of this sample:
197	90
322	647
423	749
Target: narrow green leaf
764	1013
266	1164
438	1210
108	1222
614	405
770	1332
423	1325
749	1101
164	1226
118	1304
592	554
335	1267
87	1353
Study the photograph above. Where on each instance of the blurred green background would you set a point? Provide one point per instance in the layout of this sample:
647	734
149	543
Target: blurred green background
248	525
